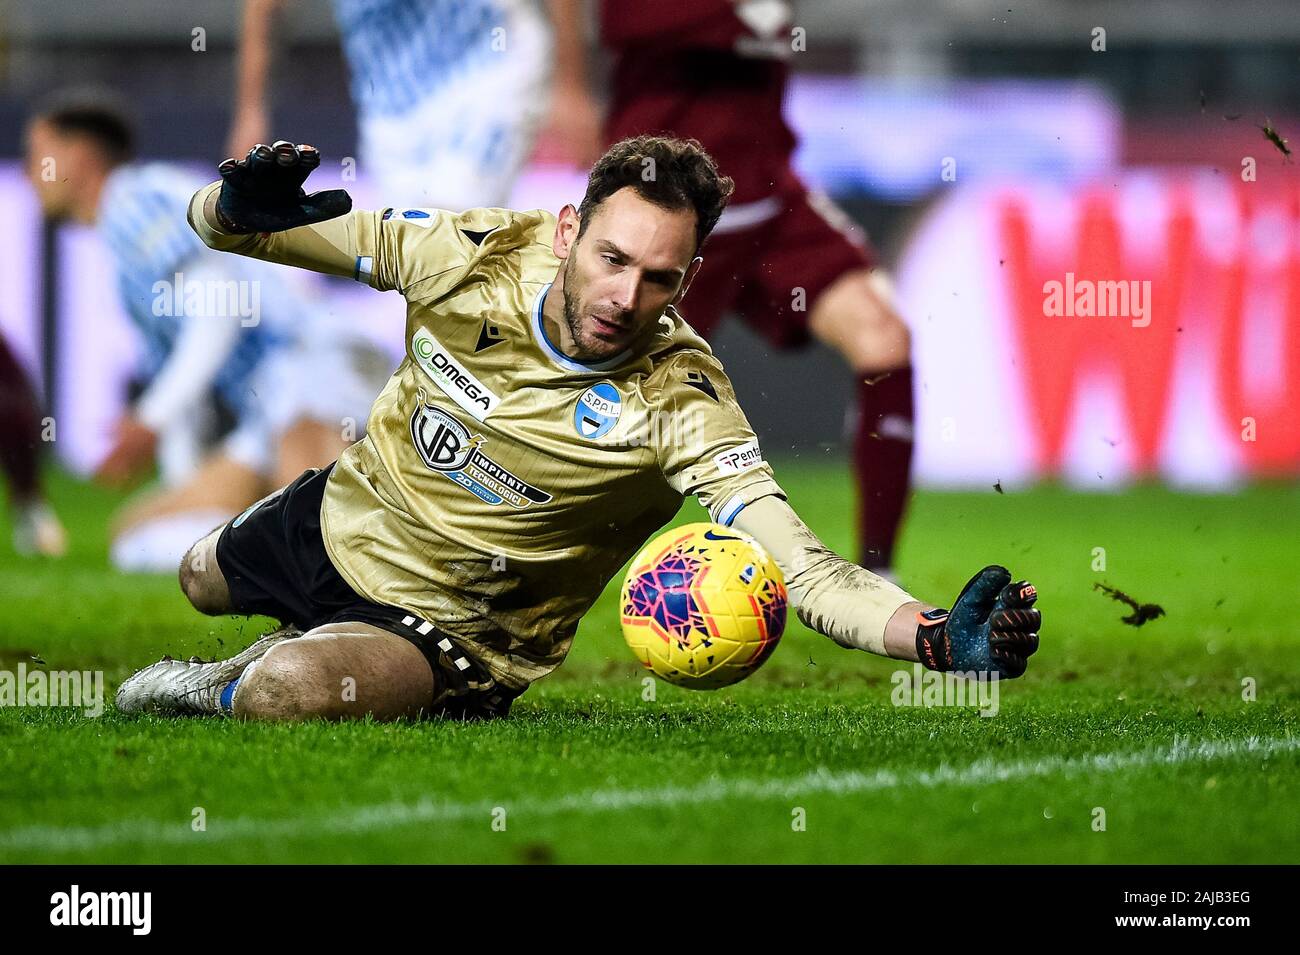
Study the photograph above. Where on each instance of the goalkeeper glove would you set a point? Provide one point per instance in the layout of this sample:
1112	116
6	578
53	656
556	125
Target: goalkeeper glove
992	627
263	191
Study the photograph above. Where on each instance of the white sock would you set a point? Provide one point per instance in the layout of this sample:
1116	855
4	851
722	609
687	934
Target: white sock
157	546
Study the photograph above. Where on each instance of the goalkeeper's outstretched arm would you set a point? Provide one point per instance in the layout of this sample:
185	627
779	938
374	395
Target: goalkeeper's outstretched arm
992	627
847	603
327	247
259	209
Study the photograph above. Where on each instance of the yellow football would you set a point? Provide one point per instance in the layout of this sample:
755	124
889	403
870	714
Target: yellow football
703	606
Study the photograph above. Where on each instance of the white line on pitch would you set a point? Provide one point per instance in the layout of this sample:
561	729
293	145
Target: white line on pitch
391	815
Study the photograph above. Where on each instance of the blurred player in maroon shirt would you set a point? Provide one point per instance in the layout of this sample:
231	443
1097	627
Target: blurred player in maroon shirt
783	258
37	532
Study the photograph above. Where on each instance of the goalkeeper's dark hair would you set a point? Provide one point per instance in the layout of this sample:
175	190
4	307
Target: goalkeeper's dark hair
671	173
96	114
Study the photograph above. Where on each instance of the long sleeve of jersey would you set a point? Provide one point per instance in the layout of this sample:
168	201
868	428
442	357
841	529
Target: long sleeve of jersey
378	248
705	445
707	448
845	602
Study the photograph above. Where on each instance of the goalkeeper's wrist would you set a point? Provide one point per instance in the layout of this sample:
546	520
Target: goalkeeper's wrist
223	223
206	217
202	217
900	631
933	648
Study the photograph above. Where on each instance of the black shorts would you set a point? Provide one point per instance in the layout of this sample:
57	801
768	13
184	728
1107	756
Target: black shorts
275	563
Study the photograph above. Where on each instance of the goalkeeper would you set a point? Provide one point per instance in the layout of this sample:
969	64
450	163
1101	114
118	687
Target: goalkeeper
552	411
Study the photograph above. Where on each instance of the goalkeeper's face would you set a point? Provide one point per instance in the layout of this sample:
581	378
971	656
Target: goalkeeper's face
632	260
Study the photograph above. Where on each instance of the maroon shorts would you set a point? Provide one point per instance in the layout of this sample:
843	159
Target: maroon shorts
756	265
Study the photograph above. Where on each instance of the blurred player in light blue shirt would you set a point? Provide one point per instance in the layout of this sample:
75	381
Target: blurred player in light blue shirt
243	331
449	93
165	281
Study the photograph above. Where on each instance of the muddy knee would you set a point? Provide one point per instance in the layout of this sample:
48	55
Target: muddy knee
201	579
337	671
286	684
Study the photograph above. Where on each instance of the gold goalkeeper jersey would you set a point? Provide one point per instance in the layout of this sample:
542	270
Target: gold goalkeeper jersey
502	484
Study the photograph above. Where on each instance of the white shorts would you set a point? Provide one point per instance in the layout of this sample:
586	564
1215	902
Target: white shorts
330	382
463	146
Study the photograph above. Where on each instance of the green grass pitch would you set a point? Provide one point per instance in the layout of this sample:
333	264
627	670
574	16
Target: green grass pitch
808	761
